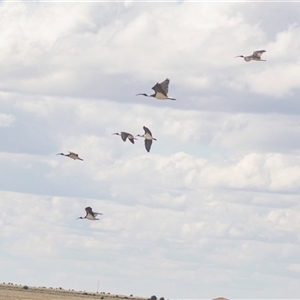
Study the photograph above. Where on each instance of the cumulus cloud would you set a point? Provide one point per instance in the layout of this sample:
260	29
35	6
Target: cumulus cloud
165	239
212	209
91	42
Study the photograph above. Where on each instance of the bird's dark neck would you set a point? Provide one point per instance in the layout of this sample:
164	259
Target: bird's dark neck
147	95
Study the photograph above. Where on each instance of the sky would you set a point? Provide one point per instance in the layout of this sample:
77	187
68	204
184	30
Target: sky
213	209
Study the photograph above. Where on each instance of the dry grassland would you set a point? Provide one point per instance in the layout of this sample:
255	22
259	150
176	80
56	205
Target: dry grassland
16	292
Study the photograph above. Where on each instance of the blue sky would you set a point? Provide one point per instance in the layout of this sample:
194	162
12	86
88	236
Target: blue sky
213	210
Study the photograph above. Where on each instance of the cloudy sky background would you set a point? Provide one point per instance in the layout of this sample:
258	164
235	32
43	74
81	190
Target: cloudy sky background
213	209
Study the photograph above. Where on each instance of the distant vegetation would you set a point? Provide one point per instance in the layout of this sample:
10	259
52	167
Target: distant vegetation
155	298
51	290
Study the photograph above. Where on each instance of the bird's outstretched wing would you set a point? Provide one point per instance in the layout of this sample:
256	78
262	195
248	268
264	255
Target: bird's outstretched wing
160	88
258	53
148	144
165	85
147	130
131	139
96	214
89	210
124	135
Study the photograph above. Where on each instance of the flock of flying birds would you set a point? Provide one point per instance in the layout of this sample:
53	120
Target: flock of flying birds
161	93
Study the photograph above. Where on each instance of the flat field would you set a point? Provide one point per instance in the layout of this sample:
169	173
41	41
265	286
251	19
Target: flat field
16	292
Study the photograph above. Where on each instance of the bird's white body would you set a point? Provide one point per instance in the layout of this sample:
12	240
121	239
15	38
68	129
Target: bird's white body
256	55
161	96
73	156
92	218
148	138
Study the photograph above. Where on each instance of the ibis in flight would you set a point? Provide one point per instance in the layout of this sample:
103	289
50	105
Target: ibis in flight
148	138
160	91
255	56
90	215
71	155
126	135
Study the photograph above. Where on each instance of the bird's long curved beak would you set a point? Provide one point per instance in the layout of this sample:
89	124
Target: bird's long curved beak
238	56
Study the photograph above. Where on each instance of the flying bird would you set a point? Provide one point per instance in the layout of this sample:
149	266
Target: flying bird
71	155
255	56
148	138
126	135
161	91
90	215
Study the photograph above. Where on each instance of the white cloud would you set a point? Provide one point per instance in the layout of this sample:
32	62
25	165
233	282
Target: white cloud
197	230
278	81
286	42
212	208
294	268
277	77
100	47
6	120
